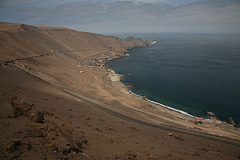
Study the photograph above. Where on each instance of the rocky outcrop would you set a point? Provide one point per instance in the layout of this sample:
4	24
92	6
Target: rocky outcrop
36	115
131	42
65	139
21	108
231	121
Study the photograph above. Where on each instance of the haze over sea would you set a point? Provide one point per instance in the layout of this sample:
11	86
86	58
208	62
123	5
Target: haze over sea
191	72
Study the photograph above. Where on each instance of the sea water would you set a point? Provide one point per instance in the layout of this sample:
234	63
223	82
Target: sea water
194	73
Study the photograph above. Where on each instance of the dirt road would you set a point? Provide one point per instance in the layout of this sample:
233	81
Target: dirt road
165	127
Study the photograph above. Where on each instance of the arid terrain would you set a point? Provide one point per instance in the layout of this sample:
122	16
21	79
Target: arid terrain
58	100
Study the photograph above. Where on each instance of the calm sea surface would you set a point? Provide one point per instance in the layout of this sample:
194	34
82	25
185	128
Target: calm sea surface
191	72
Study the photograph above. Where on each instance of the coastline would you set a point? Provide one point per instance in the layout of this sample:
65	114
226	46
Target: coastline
151	101
162	105
204	113
210	119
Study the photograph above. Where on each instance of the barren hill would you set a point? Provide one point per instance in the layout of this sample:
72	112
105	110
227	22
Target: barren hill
22	41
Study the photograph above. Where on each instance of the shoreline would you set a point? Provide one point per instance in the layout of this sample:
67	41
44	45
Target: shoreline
163	105
174	116
146	99
121	76
209	118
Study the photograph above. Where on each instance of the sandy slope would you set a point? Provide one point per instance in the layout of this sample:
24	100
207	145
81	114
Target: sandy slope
37	62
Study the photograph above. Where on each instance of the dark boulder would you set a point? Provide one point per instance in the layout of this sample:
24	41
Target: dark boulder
36	115
231	121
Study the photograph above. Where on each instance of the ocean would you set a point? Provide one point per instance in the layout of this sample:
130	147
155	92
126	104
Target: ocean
194	73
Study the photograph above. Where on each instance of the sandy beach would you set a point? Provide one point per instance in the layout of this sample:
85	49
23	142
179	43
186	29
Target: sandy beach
88	112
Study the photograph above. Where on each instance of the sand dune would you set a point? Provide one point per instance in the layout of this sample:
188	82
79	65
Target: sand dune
38	63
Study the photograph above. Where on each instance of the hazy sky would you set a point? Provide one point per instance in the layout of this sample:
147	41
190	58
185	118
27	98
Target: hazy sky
124	16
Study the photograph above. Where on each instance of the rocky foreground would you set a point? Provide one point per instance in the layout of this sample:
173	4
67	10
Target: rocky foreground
40	121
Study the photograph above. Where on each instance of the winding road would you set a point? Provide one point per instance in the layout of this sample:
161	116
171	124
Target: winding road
165	127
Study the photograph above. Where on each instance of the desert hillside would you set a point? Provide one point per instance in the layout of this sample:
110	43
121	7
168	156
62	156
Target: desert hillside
22	41
58	100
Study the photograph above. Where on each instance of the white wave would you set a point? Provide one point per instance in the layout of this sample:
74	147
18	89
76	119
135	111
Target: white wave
134	93
165	106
